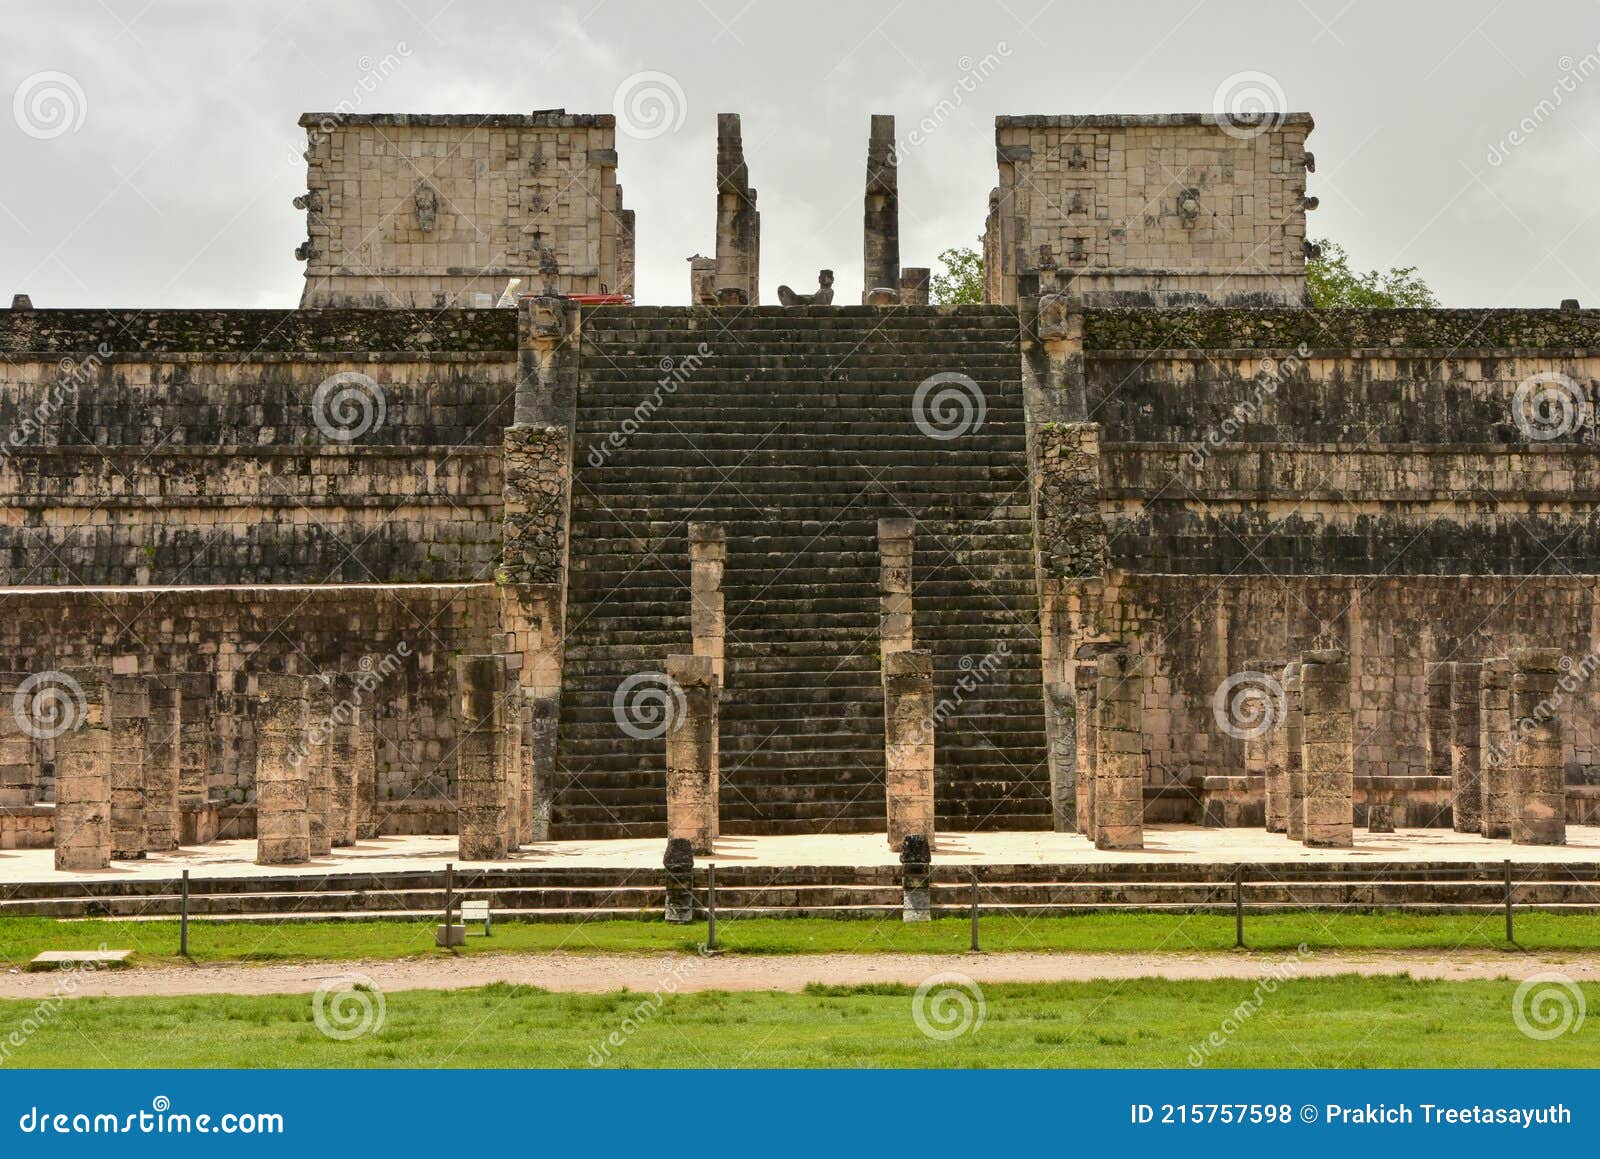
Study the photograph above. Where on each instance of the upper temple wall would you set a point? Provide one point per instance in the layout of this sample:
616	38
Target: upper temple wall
440	211
1169	210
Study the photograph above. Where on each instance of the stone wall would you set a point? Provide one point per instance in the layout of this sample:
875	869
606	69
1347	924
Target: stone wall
1150	210
436	211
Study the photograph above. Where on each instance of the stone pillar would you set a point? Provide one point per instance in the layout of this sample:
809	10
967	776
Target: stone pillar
896	546
1260	740
1436	676
511	751
283	774
1541	782
916	879
880	223
526	820
363	756
197	738
692	782
1466	778
344	724
908	736
1119	750
319	766
1293	752
679	864
83	756
738	261
914	284
130	726
544	713
1274	757
1494	747
480	817
1061	731
708	557
163	822
1328	748
702	281
19	751
1086	681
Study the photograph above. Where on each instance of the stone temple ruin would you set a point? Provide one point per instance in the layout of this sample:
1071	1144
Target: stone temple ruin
470	543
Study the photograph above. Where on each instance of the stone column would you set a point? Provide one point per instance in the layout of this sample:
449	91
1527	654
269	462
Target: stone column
480	818
1061	732
1259	742
1274	757
511	751
130	725
908	735
83	772
916	879
319	766
544	713
526	820
692	782
283	774
163	823
896	546
1436	676
708	556
19	751
738	261
359	718
679	864
1466	779
1541	782
1328	748
1119	750
880	223
1293	752
914	285
1494	747
344	720
197	738
1086	682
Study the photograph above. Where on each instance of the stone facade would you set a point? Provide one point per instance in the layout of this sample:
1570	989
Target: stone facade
445	211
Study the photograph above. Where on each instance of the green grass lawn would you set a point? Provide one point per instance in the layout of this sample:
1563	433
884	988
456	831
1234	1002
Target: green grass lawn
157	942
1324	1022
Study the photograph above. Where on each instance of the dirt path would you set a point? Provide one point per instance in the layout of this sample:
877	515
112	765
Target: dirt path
595	973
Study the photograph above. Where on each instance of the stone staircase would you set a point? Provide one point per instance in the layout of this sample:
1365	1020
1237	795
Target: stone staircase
794	429
575	894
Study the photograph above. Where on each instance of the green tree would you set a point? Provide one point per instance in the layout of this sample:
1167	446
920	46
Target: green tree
960	283
1335	286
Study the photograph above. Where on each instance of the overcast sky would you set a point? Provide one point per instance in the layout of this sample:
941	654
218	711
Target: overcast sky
165	174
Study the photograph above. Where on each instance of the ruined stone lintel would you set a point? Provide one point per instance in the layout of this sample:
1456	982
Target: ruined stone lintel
679	866
130	728
692	780
480	777
1061	734
916	878
1085	684
908	744
1069	528
283	769
1328	748
914	285
163	823
319	767
1494	747
896	547
880	222
1119	749
1466	774
1293	753
1541	790
83	778
738	260
708	560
